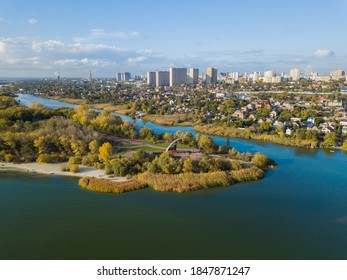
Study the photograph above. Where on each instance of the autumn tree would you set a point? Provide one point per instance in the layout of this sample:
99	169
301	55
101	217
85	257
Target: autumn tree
106	152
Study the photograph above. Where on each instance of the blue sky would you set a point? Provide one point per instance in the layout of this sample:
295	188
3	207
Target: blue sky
39	38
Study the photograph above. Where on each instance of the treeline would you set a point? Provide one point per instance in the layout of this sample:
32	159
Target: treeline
282	139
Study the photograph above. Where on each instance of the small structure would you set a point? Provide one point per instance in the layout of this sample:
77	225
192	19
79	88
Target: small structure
173	146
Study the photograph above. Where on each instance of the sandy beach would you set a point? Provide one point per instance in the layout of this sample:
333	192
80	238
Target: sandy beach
55	169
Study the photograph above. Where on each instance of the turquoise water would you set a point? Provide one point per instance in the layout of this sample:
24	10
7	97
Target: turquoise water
298	211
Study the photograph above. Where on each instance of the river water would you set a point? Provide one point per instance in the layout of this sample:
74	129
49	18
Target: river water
298	211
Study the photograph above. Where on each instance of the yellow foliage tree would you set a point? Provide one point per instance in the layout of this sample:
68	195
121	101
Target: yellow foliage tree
106	152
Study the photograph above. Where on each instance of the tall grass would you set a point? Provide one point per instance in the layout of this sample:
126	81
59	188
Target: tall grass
247	174
185	182
108	186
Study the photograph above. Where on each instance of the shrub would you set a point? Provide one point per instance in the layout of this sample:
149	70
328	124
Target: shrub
90	160
260	160
65	167
247	174
75	160
74	168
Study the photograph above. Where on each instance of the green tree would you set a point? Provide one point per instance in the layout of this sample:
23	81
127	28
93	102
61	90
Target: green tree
189	166
206	144
260	160
94	147
329	140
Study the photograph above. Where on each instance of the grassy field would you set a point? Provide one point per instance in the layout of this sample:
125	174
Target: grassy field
170	120
111	108
124	149
165	145
70	100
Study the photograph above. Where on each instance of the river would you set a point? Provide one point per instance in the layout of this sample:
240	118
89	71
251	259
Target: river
298	211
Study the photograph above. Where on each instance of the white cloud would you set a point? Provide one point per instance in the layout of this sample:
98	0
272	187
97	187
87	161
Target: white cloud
97	33
146	51
2	48
321	53
50	45
74	62
136	59
32	21
79	47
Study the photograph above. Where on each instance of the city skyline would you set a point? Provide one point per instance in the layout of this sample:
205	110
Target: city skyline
72	38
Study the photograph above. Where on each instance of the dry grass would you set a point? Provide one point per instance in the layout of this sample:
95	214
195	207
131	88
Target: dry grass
168	120
111	108
247	174
108	186
185	182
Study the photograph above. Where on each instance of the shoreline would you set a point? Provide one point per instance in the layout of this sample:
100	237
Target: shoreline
55	169
201	129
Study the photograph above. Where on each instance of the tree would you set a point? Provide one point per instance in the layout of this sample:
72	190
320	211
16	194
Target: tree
329	140
167	163
146	133
128	130
204	165
260	160
94	147
106	152
168	137
188	137
188	166
207	144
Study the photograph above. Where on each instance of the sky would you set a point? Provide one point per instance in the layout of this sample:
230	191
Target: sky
43	38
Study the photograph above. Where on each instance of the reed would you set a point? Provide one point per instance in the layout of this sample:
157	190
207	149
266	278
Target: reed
185	182
108	186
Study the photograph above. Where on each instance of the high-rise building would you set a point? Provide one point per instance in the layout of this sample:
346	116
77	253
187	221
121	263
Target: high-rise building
337	73
255	76
119	77
178	76
162	78
151	78
211	75
234	76
126	76
193	77
295	74
269	74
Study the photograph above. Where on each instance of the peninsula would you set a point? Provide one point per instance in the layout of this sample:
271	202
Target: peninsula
112	156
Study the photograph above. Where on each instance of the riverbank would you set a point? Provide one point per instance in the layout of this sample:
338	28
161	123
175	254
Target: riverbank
56	169
246	134
169	120
165	120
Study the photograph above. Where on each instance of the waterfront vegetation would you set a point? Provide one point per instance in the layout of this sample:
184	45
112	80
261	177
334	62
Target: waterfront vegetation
168	173
83	136
170	120
183	182
299	141
108	186
281	113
